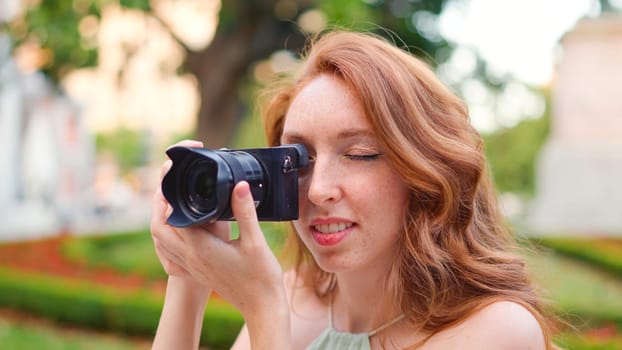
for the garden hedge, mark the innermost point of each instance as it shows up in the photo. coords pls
(605, 253)
(128, 312)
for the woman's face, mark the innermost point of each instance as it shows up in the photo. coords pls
(352, 202)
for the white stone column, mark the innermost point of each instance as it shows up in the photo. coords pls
(579, 174)
(11, 112)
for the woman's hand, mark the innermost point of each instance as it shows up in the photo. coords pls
(243, 271)
(160, 210)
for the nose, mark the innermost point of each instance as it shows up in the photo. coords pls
(324, 182)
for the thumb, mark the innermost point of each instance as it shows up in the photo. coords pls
(245, 214)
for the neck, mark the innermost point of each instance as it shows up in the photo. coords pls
(361, 301)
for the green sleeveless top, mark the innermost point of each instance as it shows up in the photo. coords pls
(333, 339)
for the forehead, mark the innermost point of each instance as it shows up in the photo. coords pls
(326, 105)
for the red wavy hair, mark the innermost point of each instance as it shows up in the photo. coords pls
(456, 254)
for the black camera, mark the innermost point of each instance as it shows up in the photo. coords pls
(199, 184)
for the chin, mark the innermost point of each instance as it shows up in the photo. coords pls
(331, 263)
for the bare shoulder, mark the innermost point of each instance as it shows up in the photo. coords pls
(508, 325)
(500, 325)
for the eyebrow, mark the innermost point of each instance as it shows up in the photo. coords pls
(345, 134)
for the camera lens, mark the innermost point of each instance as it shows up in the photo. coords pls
(200, 182)
(204, 185)
(200, 187)
(206, 181)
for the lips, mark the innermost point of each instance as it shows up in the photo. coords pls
(330, 231)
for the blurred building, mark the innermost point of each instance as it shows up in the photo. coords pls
(51, 179)
(48, 155)
(579, 187)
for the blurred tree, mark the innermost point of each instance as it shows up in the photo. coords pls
(513, 152)
(608, 6)
(128, 146)
(248, 31)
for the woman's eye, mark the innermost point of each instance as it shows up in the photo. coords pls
(363, 156)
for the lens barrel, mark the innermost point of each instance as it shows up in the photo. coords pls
(200, 182)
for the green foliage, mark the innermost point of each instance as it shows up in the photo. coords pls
(129, 147)
(422, 38)
(512, 154)
(354, 14)
(605, 253)
(125, 252)
(19, 336)
(580, 293)
(250, 133)
(133, 251)
(136, 313)
(54, 25)
(126, 312)
(79, 302)
(581, 342)
(144, 5)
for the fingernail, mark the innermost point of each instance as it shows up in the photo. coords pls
(244, 189)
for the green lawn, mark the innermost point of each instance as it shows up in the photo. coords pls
(50, 337)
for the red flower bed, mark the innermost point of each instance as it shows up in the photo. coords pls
(45, 256)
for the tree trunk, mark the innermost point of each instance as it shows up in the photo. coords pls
(222, 68)
(218, 70)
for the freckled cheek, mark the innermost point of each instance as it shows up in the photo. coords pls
(388, 188)
(395, 199)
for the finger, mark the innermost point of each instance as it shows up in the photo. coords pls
(166, 256)
(245, 214)
(171, 241)
(220, 229)
(168, 164)
(165, 168)
(187, 143)
(160, 209)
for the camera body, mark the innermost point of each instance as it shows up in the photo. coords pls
(199, 184)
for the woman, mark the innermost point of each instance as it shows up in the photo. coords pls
(399, 243)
